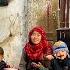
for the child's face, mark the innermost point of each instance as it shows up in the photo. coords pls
(36, 37)
(61, 55)
(1, 57)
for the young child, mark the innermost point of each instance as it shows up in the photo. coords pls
(35, 50)
(2, 63)
(61, 59)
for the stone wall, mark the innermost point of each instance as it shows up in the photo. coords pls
(12, 31)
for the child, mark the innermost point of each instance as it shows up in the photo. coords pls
(35, 50)
(61, 59)
(2, 63)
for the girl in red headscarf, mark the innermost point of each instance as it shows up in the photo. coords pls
(36, 50)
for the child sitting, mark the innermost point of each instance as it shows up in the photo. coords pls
(2, 63)
(61, 59)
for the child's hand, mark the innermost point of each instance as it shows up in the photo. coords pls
(8, 66)
(49, 57)
(36, 65)
(11, 66)
(33, 64)
(39, 65)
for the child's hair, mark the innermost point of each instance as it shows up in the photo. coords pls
(1, 51)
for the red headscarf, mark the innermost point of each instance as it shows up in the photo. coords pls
(37, 51)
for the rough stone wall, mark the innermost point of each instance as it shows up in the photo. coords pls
(12, 31)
